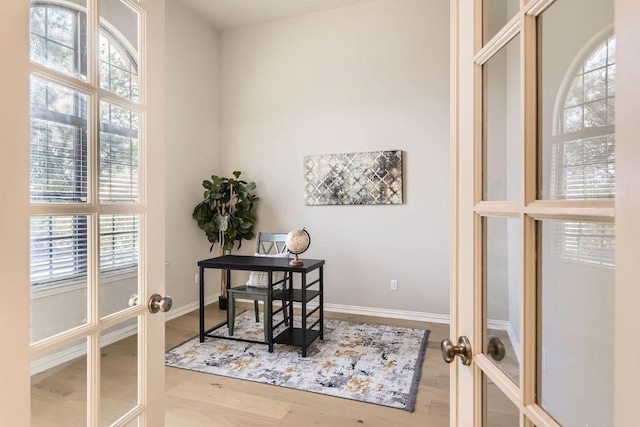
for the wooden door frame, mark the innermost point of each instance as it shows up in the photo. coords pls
(153, 374)
(463, 99)
(14, 213)
(15, 396)
(627, 294)
(463, 410)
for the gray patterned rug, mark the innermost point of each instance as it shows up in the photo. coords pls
(369, 363)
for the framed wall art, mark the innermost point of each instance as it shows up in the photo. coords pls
(371, 178)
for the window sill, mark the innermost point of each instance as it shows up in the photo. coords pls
(43, 291)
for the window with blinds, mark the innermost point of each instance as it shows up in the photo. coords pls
(59, 149)
(584, 168)
(586, 242)
(118, 154)
(58, 143)
(118, 242)
(58, 249)
(583, 156)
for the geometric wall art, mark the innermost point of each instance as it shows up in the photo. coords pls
(371, 178)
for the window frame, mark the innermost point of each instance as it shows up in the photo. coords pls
(571, 235)
(82, 175)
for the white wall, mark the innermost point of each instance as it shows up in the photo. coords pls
(373, 76)
(193, 145)
(60, 308)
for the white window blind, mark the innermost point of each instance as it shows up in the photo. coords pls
(58, 144)
(587, 242)
(58, 249)
(584, 168)
(119, 242)
(119, 154)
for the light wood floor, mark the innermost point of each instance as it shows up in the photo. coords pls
(196, 399)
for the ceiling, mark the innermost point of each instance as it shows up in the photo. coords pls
(224, 14)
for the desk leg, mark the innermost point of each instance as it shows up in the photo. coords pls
(228, 272)
(304, 314)
(201, 280)
(268, 310)
(321, 305)
(290, 302)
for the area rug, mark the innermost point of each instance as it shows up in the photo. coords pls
(369, 363)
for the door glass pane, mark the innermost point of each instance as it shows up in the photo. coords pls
(119, 248)
(495, 15)
(118, 371)
(499, 411)
(59, 387)
(58, 154)
(119, 154)
(58, 272)
(58, 37)
(575, 297)
(118, 53)
(576, 98)
(502, 284)
(502, 131)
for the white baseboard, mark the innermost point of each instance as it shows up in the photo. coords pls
(499, 325)
(389, 313)
(380, 312)
(188, 308)
(71, 353)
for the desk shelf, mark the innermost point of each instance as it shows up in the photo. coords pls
(294, 295)
(293, 336)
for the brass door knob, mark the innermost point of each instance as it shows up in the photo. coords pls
(463, 350)
(158, 303)
(495, 349)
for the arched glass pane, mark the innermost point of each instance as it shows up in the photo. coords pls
(58, 38)
(118, 50)
(577, 110)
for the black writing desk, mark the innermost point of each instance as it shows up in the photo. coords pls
(300, 336)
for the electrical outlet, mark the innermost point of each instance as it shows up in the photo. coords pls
(394, 285)
(196, 279)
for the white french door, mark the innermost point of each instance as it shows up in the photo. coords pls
(543, 94)
(83, 227)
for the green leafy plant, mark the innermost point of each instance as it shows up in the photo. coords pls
(226, 214)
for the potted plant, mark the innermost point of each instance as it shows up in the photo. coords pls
(227, 216)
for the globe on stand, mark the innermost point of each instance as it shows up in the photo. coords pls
(297, 242)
